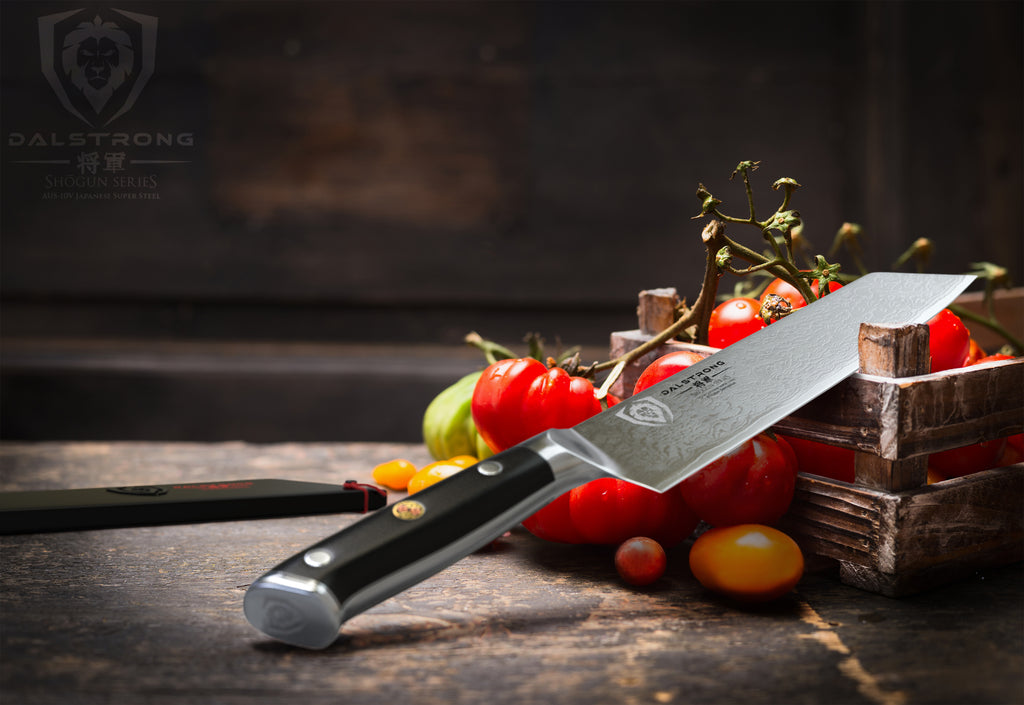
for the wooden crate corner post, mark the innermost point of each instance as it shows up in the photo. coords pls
(891, 532)
(892, 351)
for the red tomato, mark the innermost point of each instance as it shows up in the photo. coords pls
(1014, 452)
(748, 562)
(735, 319)
(992, 358)
(516, 399)
(790, 293)
(554, 523)
(666, 366)
(754, 484)
(822, 459)
(966, 460)
(640, 561)
(949, 341)
(609, 511)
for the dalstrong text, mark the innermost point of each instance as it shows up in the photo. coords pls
(101, 139)
(711, 370)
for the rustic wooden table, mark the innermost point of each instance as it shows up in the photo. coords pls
(154, 614)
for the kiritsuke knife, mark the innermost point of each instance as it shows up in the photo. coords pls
(654, 439)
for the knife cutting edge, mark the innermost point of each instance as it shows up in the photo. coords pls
(655, 439)
(181, 503)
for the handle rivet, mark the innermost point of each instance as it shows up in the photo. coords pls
(318, 557)
(489, 468)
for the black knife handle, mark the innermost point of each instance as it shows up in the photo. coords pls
(304, 600)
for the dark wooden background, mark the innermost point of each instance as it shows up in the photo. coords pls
(370, 181)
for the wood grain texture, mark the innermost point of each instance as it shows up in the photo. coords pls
(656, 309)
(153, 615)
(899, 543)
(891, 351)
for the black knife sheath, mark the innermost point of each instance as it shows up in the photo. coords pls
(183, 503)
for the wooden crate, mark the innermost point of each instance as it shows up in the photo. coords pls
(890, 531)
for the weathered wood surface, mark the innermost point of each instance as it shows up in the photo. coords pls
(153, 615)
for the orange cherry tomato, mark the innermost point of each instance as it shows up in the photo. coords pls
(394, 474)
(747, 562)
(974, 353)
(435, 472)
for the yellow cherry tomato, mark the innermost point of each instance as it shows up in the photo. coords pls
(394, 474)
(435, 472)
(748, 562)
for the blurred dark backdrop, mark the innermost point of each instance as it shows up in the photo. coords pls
(306, 205)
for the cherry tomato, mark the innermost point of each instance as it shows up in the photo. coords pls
(666, 366)
(790, 293)
(609, 511)
(967, 460)
(640, 561)
(734, 319)
(753, 484)
(974, 353)
(949, 341)
(394, 474)
(435, 472)
(822, 459)
(748, 562)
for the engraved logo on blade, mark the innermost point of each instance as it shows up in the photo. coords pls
(645, 412)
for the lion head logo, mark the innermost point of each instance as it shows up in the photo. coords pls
(97, 62)
(97, 57)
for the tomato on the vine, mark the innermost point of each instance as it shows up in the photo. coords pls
(949, 341)
(516, 399)
(780, 287)
(666, 366)
(753, 484)
(748, 562)
(734, 319)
